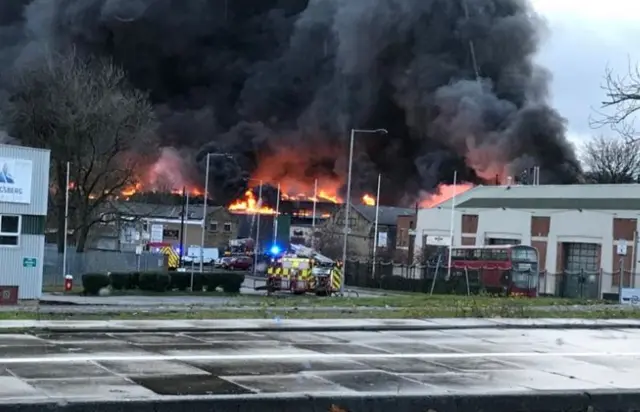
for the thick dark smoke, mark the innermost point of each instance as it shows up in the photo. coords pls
(249, 77)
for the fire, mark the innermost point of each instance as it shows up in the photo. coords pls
(297, 172)
(444, 193)
(130, 191)
(250, 205)
(368, 200)
(322, 196)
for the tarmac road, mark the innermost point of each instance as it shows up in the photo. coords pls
(230, 369)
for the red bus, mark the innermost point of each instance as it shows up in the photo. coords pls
(503, 269)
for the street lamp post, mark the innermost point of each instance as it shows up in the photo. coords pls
(348, 200)
(256, 244)
(204, 208)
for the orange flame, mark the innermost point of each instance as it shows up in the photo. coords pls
(250, 205)
(368, 200)
(444, 193)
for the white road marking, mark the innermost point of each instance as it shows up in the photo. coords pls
(62, 358)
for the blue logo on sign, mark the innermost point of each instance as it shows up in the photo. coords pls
(5, 176)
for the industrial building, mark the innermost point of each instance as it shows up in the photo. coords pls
(24, 194)
(575, 228)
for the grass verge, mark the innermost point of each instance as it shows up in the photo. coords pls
(520, 312)
(394, 300)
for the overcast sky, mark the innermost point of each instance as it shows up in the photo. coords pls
(584, 39)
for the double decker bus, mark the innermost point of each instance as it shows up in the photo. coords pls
(503, 269)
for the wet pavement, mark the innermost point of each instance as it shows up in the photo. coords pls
(67, 367)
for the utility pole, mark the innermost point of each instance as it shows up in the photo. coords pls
(184, 195)
(347, 205)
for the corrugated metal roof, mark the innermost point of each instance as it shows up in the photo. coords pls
(387, 215)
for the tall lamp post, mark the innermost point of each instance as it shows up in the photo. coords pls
(256, 244)
(206, 196)
(348, 201)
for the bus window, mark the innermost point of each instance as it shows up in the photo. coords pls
(527, 254)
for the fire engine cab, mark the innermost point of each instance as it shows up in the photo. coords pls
(302, 270)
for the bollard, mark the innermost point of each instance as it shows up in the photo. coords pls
(68, 283)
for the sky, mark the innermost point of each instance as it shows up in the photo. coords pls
(583, 40)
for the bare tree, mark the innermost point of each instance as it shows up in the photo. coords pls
(622, 102)
(611, 160)
(85, 112)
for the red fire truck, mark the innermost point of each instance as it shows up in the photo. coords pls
(503, 269)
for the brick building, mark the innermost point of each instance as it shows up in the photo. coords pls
(405, 237)
(589, 228)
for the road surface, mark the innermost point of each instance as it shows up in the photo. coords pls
(60, 369)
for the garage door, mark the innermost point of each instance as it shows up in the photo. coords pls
(580, 275)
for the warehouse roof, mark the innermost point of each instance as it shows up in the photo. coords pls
(150, 210)
(387, 215)
(602, 197)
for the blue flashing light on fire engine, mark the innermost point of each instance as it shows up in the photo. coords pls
(275, 250)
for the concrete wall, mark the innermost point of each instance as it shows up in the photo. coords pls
(547, 230)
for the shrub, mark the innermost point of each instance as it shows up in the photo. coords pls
(229, 281)
(121, 281)
(154, 281)
(233, 282)
(182, 281)
(135, 280)
(93, 282)
(212, 281)
(198, 282)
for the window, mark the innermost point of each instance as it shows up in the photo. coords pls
(213, 226)
(9, 230)
(170, 234)
(227, 227)
(524, 253)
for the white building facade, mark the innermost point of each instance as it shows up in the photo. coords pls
(24, 194)
(589, 230)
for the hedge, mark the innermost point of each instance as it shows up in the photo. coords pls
(92, 283)
(228, 281)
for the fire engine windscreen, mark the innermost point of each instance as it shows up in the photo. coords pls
(453, 81)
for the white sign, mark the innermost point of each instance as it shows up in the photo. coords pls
(622, 247)
(438, 240)
(629, 296)
(156, 233)
(382, 239)
(15, 180)
(139, 250)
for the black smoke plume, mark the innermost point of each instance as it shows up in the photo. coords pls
(249, 77)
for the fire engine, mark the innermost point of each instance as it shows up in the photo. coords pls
(302, 270)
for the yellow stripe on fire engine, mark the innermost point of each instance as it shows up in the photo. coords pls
(305, 274)
(173, 260)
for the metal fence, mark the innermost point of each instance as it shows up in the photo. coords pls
(427, 279)
(95, 261)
